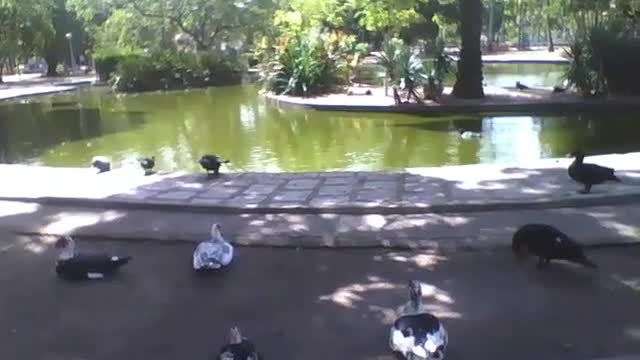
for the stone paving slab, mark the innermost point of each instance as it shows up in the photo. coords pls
(543, 183)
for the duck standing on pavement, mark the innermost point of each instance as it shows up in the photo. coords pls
(102, 163)
(589, 174)
(239, 348)
(417, 334)
(73, 266)
(214, 253)
(548, 243)
(147, 164)
(210, 162)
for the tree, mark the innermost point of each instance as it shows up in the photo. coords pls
(469, 77)
(23, 26)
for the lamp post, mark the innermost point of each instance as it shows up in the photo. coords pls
(69, 36)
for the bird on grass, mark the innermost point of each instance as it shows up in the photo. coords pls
(589, 174)
(239, 348)
(210, 162)
(548, 243)
(73, 266)
(147, 164)
(521, 86)
(417, 334)
(102, 163)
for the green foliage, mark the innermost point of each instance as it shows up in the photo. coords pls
(403, 67)
(303, 68)
(166, 71)
(605, 61)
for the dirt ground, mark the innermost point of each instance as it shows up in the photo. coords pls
(313, 304)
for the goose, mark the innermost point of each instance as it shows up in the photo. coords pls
(521, 86)
(74, 266)
(418, 334)
(214, 253)
(589, 174)
(469, 134)
(548, 243)
(238, 348)
(102, 163)
(147, 164)
(210, 162)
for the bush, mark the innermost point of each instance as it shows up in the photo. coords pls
(303, 68)
(106, 64)
(166, 71)
(605, 61)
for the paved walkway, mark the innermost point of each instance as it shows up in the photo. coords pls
(497, 99)
(477, 206)
(542, 184)
(32, 85)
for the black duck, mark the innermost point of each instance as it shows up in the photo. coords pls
(589, 174)
(548, 243)
(103, 164)
(210, 162)
(147, 164)
(74, 266)
(521, 86)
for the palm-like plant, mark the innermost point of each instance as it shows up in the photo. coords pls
(404, 68)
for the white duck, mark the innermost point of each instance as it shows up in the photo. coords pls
(417, 334)
(214, 253)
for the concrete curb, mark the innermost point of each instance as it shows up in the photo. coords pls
(307, 242)
(389, 209)
(415, 109)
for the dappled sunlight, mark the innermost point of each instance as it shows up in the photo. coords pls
(11, 208)
(425, 260)
(67, 222)
(347, 296)
(632, 283)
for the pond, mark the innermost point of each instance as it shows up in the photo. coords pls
(234, 122)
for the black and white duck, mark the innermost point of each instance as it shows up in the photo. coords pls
(239, 348)
(73, 266)
(417, 334)
(210, 162)
(521, 86)
(214, 253)
(414, 305)
(589, 174)
(548, 243)
(147, 164)
(102, 163)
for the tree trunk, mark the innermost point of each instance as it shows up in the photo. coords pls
(1, 69)
(51, 57)
(550, 36)
(469, 80)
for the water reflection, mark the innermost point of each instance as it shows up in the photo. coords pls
(178, 127)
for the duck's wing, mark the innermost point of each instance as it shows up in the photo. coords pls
(212, 255)
(97, 264)
(598, 173)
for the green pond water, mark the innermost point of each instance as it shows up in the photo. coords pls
(234, 122)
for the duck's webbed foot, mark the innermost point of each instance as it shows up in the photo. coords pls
(586, 190)
(542, 263)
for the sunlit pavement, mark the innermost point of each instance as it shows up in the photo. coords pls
(313, 304)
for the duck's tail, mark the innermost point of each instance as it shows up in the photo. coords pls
(613, 177)
(225, 161)
(121, 260)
